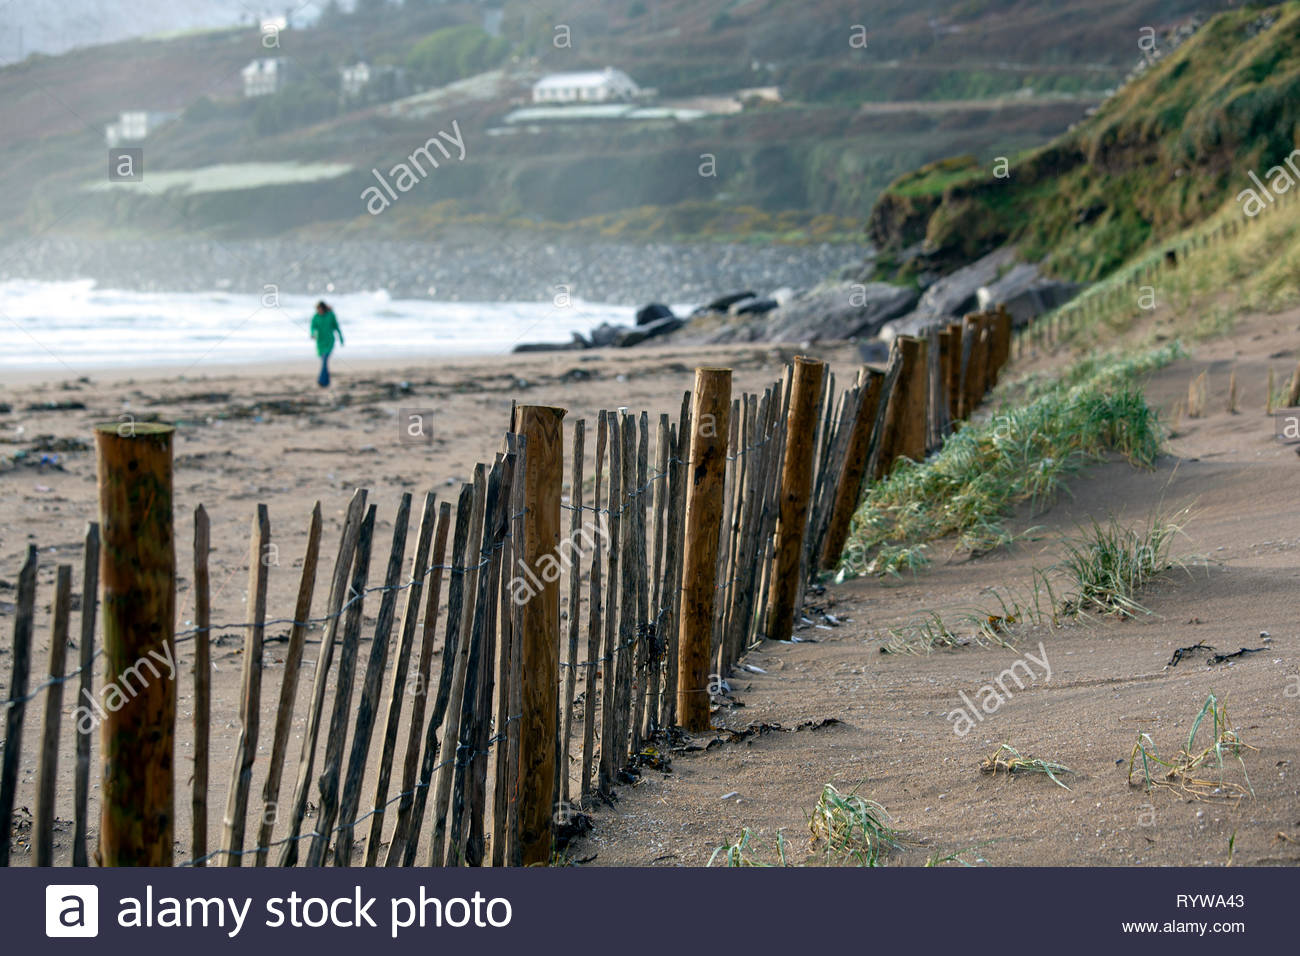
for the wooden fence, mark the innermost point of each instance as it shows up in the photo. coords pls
(683, 541)
(1123, 292)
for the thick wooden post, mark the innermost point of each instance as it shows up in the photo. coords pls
(953, 371)
(796, 488)
(903, 434)
(849, 491)
(540, 628)
(1002, 328)
(138, 572)
(710, 414)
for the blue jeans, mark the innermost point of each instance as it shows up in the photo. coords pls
(323, 379)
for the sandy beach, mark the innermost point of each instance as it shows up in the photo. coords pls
(830, 709)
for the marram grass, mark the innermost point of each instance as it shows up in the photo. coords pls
(1023, 453)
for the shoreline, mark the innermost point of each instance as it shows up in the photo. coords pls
(475, 267)
(343, 369)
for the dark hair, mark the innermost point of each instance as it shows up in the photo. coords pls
(322, 307)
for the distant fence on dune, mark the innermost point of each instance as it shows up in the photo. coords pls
(1124, 292)
(669, 564)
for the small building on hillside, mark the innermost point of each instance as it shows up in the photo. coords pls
(590, 86)
(267, 76)
(364, 82)
(134, 126)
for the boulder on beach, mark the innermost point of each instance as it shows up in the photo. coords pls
(995, 279)
(839, 310)
(952, 296)
(725, 302)
(626, 337)
(606, 335)
(652, 313)
(832, 311)
(1026, 294)
(754, 307)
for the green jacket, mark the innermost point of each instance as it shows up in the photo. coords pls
(324, 326)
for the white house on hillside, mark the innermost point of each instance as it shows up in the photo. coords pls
(592, 86)
(383, 82)
(132, 126)
(266, 76)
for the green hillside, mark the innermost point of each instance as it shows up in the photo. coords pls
(1171, 148)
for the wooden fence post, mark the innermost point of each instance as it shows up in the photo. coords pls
(250, 704)
(138, 572)
(903, 433)
(1000, 326)
(849, 491)
(711, 409)
(48, 767)
(796, 487)
(972, 376)
(21, 664)
(202, 687)
(540, 629)
(288, 690)
(85, 692)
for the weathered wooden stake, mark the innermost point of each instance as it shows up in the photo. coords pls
(334, 604)
(288, 690)
(85, 692)
(202, 687)
(708, 459)
(21, 668)
(594, 628)
(1293, 392)
(575, 585)
(540, 630)
(250, 705)
(327, 785)
(796, 486)
(905, 418)
(404, 849)
(397, 688)
(420, 694)
(849, 491)
(138, 571)
(371, 685)
(47, 769)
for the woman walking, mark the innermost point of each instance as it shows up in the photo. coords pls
(324, 326)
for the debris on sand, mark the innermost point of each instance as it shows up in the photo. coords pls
(1009, 760)
(1213, 655)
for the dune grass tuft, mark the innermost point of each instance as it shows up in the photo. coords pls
(744, 851)
(1022, 454)
(1008, 759)
(1108, 564)
(851, 828)
(1183, 773)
